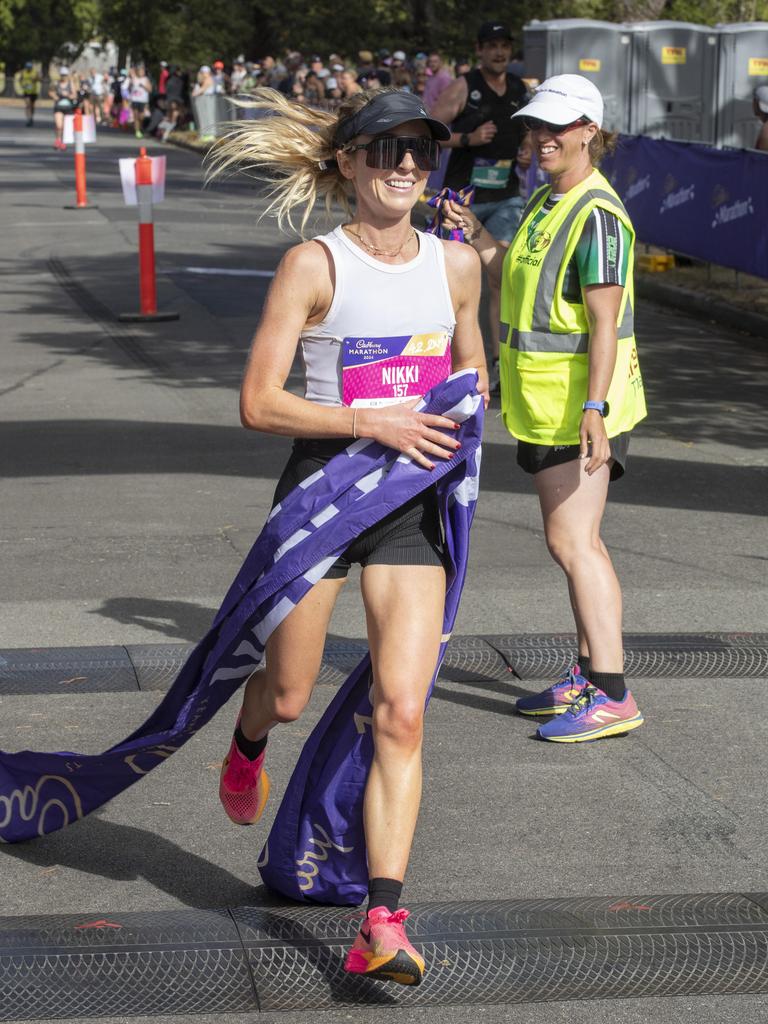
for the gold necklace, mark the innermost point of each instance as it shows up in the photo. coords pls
(372, 248)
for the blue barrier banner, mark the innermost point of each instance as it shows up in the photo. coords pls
(711, 204)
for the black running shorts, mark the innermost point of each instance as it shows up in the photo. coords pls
(534, 457)
(411, 535)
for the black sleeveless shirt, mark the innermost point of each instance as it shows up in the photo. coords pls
(482, 162)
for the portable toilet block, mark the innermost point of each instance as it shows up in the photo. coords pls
(599, 50)
(674, 80)
(742, 66)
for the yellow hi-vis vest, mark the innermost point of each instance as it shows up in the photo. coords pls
(544, 357)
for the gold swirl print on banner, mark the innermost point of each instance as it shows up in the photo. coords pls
(310, 858)
(29, 806)
(161, 752)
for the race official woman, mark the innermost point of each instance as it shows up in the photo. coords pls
(570, 384)
(376, 282)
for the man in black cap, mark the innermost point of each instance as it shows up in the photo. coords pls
(484, 141)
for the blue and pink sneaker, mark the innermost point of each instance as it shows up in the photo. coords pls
(593, 716)
(382, 950)
(556, 698)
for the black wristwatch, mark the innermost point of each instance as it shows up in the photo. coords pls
(464, 140)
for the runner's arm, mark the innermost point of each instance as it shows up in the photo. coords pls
(450, 102)
(301, 293)
(449, 105)
(463, 269)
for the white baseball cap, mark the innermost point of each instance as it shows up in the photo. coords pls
(63, 70)
(398, 55)
(761, 96)
(563, 99)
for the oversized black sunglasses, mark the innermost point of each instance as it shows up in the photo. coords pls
(533, 124)
(386, 152)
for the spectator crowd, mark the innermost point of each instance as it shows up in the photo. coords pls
(160, 101)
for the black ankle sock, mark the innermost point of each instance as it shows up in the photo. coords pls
(249, 748)
(384, 892)
(583, 662)
(611, 683)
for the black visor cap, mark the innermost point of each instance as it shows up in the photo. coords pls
(491, 30)
(385, 112)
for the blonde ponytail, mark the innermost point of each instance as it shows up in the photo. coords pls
(290, 148)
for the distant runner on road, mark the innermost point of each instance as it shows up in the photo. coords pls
(29, 82)
(64, 96)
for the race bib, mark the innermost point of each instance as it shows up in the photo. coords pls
(384, 371)
(491, 173)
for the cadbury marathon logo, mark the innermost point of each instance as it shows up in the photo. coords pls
(726, 211)
(676, 196)
(636, 185)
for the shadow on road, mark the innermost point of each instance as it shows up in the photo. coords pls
(125, 853)
(50, 448)
(177, 620)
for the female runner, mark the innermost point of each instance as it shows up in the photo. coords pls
(571, 384)
(365, 293)
(64, 96)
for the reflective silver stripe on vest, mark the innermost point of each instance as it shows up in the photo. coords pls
(532, 203)
(545, 292)
(546, 341)
(627, 325)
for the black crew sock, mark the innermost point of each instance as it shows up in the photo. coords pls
(249, 748)
(611, 683)
(384, 892)
(583, 662)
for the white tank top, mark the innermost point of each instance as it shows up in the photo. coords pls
(387, 335)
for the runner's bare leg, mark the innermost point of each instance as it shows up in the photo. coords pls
(404, 607)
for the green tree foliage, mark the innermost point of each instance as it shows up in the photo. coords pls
(197, 31)
(38, 29)
(180, 31)
(8, 9)
(711, 12)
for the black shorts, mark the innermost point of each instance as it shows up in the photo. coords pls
(411, 535)
(534, 457)
(140, 108)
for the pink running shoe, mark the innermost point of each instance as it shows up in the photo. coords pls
(382, 950)
(243, 787)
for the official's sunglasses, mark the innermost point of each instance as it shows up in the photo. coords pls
(386, 152)
(533, 124)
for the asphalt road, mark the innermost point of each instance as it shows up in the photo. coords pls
(130, 495)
